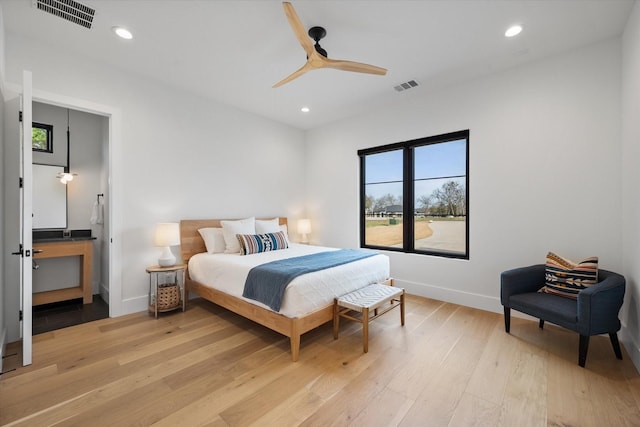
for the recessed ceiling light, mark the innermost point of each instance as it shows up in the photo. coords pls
(123, 32)
(513, 31)
(305, 109)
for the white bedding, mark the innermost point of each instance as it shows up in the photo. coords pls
(306, 293)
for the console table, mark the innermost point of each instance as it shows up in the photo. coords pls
(63, 248)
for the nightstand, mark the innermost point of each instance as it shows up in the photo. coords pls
(166, 288)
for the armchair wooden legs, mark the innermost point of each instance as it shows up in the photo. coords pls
(616, 345)
(582, 350)
(583, 346)
(507, 319)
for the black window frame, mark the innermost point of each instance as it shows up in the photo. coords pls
(408, 195)
(49, 130)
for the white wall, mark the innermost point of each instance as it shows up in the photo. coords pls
(2, 285)
(2, 48)
(181, 156)
(630, 180)
(544, 170)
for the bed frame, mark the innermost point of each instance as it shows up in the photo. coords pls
(191, 243)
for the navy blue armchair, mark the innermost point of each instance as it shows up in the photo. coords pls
(595, 311)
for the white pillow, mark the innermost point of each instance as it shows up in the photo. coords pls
(264, 226)
(213, 239)
(283, 228)
(231, 228)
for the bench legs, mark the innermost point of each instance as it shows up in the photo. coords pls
(365, 329)
(365, 323)
(336, 318)
(337, 313)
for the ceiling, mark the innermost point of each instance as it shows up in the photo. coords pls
(234, 51)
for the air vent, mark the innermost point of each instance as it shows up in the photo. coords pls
(406, 85)
(67, 9)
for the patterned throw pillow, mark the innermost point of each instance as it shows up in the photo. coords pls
(256, 243)
(566, 278)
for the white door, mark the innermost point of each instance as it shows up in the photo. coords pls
(26, 220)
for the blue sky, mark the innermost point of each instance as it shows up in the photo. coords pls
(431, 161)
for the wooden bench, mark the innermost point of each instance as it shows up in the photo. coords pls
(372, 297)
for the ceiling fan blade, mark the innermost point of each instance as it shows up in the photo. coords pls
(300, 71)
(314, 59)
(298, 28)
(357, 67)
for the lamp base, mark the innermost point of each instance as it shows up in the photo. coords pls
(167, 259)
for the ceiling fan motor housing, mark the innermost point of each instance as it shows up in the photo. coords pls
(318, 33)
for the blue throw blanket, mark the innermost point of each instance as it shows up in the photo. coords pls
(267, 282)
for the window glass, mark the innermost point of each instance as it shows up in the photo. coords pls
(423, 181)
(440, 197)
(42, 137)
(443, 159)
(383, 199)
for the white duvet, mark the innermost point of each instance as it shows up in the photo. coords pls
(306, 293)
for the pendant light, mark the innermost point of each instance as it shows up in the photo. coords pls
(67, 176)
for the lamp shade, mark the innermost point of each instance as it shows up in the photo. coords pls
(304, 226)
(167, 234)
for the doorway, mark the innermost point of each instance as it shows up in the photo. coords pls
(112, 156)
(113, 221)
(79, 145)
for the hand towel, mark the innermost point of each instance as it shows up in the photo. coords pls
(97, 213)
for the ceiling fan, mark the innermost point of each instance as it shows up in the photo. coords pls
(316, 55)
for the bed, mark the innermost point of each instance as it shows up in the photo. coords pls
(294, 318)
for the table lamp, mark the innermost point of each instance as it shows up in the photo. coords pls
(304, 228)
(167, 234)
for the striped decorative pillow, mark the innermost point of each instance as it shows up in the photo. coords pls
(256, 243)
(566, 278)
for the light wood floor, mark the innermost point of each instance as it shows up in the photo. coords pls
(449, 366)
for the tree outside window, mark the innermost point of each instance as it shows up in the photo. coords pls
(42, 137)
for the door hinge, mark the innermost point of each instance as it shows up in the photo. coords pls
(21, 182)
(21, 315)
(20, 251)
(20, 116)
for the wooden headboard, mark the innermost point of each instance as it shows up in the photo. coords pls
(191, 242)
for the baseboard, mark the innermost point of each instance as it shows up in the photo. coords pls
(96, 287)
(631, 345)
(468, 299)
(104, 292)
(133, 305)
(3, 335)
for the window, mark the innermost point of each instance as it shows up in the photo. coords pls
(414, 196)
(42, 137)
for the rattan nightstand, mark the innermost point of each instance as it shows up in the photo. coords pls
(166, 288)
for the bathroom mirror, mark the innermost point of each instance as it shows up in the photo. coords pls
(49, 198)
